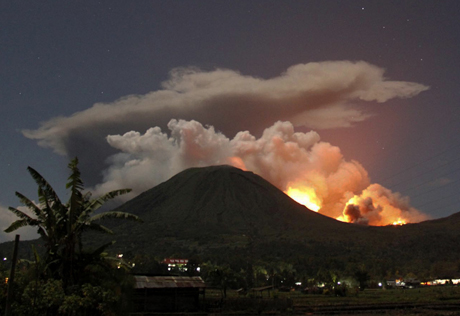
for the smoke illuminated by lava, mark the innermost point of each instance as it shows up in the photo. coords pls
(319, 95)
(312, 172)
(305, 196)
(379, 206)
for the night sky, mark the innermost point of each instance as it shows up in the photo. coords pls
(59, 58)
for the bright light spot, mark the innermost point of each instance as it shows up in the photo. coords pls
(380, 284)
(305, 196)
(298, 283)
(399, 222)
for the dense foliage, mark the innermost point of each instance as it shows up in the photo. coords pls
(68, 279)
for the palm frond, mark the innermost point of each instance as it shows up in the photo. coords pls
(20, 214)
(43, 233)
(116, 215)
(74, 180)
(47, 188)
(31, 205)
(16, 225)
(87, 196)
(97, 203)
(26, 220)
(76, 201)
(42, 198)
(98, 227)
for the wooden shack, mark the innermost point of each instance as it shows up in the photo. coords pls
(167, 293)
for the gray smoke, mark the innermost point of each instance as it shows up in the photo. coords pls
(315, 95)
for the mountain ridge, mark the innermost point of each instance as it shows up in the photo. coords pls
(221, 214)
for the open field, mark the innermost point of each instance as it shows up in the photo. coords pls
(440, 300)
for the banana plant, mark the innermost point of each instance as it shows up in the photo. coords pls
(61, 225)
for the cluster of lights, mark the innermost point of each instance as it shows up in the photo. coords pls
(120, 256)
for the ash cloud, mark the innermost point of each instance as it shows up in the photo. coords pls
(316, 95)
(377, 205)
(280, 155)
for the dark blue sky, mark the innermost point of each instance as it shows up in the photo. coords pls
(58, 58)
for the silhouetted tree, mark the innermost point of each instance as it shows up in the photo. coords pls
(61, 225)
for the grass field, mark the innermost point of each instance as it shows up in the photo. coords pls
(433, 294)
(436, 300)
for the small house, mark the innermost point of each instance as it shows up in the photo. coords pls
(167, 293)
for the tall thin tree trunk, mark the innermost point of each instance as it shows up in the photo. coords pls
(11, 278)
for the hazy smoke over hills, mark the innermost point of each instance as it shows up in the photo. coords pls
(315, 95)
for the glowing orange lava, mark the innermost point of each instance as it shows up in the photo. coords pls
(399, 222)
(378, 213)
(305, 196)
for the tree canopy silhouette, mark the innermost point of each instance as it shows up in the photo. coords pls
(61, 225)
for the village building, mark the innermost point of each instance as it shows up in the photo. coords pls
(167, 293)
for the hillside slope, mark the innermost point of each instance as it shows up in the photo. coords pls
(221, 207)
(223, 214)
(222, 199)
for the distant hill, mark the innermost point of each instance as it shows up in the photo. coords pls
(224, 214)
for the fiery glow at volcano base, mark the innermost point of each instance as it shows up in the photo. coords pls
(399, 222)
(305, 196)
(370, 211)
(375, 206)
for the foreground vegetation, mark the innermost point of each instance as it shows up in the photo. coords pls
(65, 278)
(71, 270)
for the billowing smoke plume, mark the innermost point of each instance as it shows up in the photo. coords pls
(316, 95)
(379, 206)
(282, 156)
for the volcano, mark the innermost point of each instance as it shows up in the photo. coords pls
(218, 209)
(222, 214)
(217, 212)
(222, 200)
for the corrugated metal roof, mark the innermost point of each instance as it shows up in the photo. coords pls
(161, 282)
